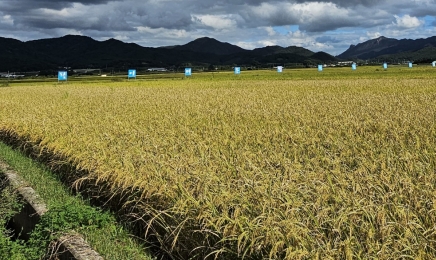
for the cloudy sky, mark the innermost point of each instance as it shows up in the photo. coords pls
(321, 25)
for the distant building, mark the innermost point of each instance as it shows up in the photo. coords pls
(84, 71)
(157, 69)
(11, 75)
(345, 63)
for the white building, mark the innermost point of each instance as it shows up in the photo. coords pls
(157, 69)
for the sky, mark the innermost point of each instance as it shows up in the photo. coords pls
(330, 26)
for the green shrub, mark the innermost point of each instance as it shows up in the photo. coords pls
(9, 205)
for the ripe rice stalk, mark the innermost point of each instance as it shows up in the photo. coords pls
(334, 168)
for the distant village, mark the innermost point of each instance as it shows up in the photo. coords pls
(106, 72)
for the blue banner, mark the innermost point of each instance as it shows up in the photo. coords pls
(132, 74)
(62, 75)
(188, 72)
(237, 70)
(279, 69)
(354, 66)
(385, 65)
(320, 68)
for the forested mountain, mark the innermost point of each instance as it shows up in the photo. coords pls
(84, 52)
(392, 49)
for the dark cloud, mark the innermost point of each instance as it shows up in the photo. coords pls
(328, 25)
(99, 24)
(349, 3)
(424, 11)
(159, 15)
(327, 39)
(246, 22)
(17, 6)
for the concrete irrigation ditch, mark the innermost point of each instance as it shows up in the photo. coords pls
(69, 246)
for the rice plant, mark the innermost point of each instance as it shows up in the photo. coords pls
(254, 167)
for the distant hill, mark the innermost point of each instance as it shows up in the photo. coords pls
(15, 55)
(389, 49)
(209, 45)
(84, 52)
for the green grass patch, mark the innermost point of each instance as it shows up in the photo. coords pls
(67, 212)
(362, 72)
(9, 206)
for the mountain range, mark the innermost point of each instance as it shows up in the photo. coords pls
(389, 49)
(75, 51)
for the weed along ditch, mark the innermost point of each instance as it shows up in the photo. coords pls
(50, 222)
(32, 209)
(68, 246)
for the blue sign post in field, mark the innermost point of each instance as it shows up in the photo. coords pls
(131, 74)
(433, 64)
(279, 69)
(410, 65)
(188, 72)
(62, 75)
(237, 70)
(354, 66)
(320, 67)
(385, 66)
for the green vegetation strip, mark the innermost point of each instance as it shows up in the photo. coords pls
(362, 72)
(9, 206)
(70, 245)
(66, 213)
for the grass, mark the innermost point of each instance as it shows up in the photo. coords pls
(337, 164)
(70, 213)
(10, 204)
(368, 72)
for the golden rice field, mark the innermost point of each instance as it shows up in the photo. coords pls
(255, 167)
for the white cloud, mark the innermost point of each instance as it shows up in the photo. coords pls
(165, 33)
(7, 19)
(267, 43)
(270, 31)
(249, 45)
(68, 12)
(373, 35)
(407, 22)
(310, 16)
(218, 22)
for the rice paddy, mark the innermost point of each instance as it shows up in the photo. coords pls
(301, 165)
